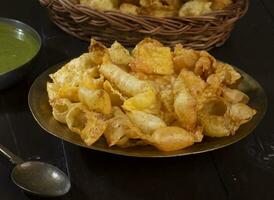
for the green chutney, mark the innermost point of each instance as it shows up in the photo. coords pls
(17, 47)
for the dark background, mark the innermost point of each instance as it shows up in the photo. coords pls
(244, 170)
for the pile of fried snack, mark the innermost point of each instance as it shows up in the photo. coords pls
(160, 8)
(153, 95)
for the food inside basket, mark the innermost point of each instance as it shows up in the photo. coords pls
(153, 95)
(160, 8)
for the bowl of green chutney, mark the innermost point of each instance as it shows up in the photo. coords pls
(19, 45)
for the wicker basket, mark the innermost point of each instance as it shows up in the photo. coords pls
(203, 32)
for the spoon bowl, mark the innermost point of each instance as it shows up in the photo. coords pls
(40, 179)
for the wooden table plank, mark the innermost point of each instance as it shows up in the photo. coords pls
(269, 6)
(102, 176)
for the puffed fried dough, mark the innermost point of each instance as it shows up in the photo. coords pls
(95, 100)
(147, 123)
(217, 126)
(92, 79)
(69, 92)
(151, 57)
(224, 75)
(101, 4)
(125, 82)
(120, 129)
(171, 139)
(184, 58)
(234, 95)
(119, 55)
(146, 102)
(185, 105)
(195, 8)
(240, 113)
(94, 128)
(76, 117)
(161, 4)
(97, 50)
(72, 73)
(214, 119)
(205, 65)
(60, 109)
(89, 125)
(52, 90)
(195, 84)
(117, 99)
(220, 4)
(128, 8)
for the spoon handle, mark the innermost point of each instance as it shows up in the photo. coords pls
(12, 157)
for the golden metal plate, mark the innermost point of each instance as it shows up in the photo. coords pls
(41, 110)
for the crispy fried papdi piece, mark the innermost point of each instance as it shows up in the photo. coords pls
(220, 4)
(101, 4)
(92, 79)
(68, 92)
(147, 123)
(119, 55)
(220, 118)
(60, 109)
(97, 50)
(214, 120)
(210, 92)
(96, 100)
(241, 113)
(194, 83)
(72, 73)
(125, 82)
(205, 65)
(146, 102)
(224, 75)
(171, 138)
(120, 129)
(171, 4)
(184, 58)
(52, 90)
(160, 8)
(217, 126)
(185, 105)
(234, 95)
(67, 79)
(195, 8)
(76, 117)
(117, 99)
(129, 8)
(94, 128)
(89, 125)
(152, 57)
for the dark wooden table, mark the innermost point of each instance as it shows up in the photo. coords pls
(241, 171)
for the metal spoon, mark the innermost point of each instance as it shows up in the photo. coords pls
(36, 177)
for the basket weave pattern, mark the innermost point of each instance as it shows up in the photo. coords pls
(202, 32)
